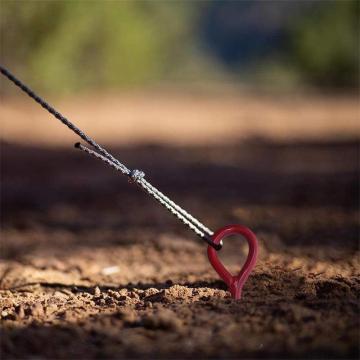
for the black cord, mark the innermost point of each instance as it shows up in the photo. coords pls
(60, 117)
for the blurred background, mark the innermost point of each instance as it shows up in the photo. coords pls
(183, 72)
(69, 47)
(242, 111)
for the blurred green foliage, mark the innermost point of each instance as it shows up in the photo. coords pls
(325, 44)
(69, 46)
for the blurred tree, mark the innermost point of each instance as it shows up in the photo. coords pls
(67, 46)
(325, 44)
(71, 45)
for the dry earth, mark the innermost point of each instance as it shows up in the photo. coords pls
(182, 117)
(91, 268)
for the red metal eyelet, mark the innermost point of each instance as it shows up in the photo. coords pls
(235, 283)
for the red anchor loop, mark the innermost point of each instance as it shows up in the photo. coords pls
(235, 283)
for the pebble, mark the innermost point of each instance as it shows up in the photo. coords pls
(123, 292)
(150, 291)
(50, 309)
(60, 295)
(97, 291)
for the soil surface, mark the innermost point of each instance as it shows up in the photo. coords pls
(92, 268)
(182, 117)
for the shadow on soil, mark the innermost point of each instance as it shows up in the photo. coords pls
(305, 193)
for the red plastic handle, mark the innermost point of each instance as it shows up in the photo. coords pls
(235, 283)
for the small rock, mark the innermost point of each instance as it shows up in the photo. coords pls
(66, 292)
(179, 292)
(156, 297)
(150, 291)
(51, 308)
(60, 295)
(97, 291)
(123, 292)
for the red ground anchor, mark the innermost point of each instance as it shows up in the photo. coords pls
(235, 283)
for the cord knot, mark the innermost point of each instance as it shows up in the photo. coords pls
(136, 175)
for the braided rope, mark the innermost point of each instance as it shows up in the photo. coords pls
(137, 176)
(179, 209)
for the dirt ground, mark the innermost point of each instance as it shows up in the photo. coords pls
(192, 117)
(92, 268)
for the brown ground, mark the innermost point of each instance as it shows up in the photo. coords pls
(182, 117)
(91, 268)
